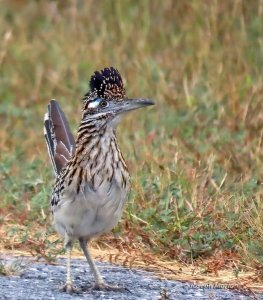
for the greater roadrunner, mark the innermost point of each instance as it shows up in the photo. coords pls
(92, 180)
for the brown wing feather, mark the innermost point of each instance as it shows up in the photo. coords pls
(59, 139)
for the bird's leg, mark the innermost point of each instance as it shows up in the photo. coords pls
(68, 286)
(100, 284)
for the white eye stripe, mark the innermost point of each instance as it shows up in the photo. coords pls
(95, 103)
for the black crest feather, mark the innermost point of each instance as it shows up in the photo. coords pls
(107, 84)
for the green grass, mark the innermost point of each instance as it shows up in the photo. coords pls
(196, 158)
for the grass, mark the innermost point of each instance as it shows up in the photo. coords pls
(195, 158)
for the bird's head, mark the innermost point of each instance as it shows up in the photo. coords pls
(106, 99)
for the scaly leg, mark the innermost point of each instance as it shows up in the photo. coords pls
(68, 286)
(100, 284)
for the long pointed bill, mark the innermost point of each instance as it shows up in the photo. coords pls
(131, 104)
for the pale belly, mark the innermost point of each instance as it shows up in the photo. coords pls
(89, 213)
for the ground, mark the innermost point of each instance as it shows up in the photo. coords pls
(38, 280)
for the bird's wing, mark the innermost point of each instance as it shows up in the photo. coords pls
(59, 139)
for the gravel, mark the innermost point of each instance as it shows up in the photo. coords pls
(42, 281)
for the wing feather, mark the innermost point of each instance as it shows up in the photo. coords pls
(59, 139)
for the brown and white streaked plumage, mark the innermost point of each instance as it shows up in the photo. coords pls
(92, 180)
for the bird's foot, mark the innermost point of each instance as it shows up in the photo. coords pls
(69, 288)
(107, 287)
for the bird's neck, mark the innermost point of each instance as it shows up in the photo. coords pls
(98, 156)
(94, 136)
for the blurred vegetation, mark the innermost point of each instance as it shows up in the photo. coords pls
(195, 158)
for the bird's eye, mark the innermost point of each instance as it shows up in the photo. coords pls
(104, 103)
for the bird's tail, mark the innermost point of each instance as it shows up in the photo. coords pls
(59, 139)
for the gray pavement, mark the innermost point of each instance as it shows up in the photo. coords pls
(42, 281)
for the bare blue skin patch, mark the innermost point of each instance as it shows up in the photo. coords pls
(95, 103)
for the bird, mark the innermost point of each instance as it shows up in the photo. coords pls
(92, 179)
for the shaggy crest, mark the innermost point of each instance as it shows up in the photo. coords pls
(107, 84)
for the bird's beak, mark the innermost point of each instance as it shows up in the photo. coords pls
(131, 104)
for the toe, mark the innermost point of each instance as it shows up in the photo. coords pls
(68, 288)
(107, 287)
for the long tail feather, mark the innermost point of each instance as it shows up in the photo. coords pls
(59, 139)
